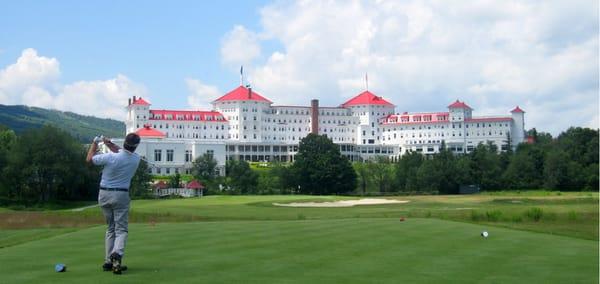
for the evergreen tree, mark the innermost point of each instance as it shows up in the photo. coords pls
(445, 164)
(7, 143)
(140, 183)
(406, 171)
(485, 167)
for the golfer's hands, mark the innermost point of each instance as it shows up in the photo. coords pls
(97, 139)
(106, 140)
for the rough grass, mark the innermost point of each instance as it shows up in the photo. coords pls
(382, 250)
(568, 214)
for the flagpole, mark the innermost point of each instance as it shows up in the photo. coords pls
(241, 75)
(367, 81)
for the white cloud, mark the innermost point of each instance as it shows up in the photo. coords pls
(34, 80)
(37, 97)
(201, 94)
(239, 47)
(99, 98)
(30, 71)
(422, 55)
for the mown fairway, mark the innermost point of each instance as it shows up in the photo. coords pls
(246, 239)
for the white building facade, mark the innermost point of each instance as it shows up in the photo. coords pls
(244, 125)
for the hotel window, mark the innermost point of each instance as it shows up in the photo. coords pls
(157, 155)
(188, 155)
(169, 155)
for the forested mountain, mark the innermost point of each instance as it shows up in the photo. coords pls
(83, 128)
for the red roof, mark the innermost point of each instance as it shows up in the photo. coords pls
(194, 184)
(488, 119)
(416, 118)
(459, 104)
(242, 93)
(161, 185)
(189, 115)
(517, 109)
(366, 98)
(149, 132)
(140, 101)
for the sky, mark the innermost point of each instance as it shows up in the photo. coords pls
(90, 56)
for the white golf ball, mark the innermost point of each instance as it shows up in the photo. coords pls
(484, 234)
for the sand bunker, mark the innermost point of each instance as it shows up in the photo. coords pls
(343, 203)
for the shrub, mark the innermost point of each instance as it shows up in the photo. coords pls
(534, 214)
(476, 216)
(517, 219)
(572, 215)
(493, 216)
(550, 216)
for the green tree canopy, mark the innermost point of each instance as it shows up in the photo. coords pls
(381, 172)
(406, 171)
(140, 183)
(241, 177)
(321, 169)
(204, 168)
(46, 164)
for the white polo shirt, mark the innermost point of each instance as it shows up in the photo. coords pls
(119, 168)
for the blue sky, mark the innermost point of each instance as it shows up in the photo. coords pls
(89, 56)
(149, 41)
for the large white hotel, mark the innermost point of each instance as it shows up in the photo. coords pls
(247, 126)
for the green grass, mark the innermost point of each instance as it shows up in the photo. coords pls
(568, 214)
(321, 251)
(507, 209)
(535, 237)
(14, 237)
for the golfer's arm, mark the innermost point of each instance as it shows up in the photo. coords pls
(91, 152)
(112, 146)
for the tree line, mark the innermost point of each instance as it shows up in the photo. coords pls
(47, 165)
(568, 162)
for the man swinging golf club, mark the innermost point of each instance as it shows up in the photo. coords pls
(119, 167)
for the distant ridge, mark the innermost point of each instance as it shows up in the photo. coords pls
(82, 127)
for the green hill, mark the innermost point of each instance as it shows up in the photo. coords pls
(81, 127)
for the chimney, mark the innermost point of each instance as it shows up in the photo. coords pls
(314, 116)
(250, 93)
(134, 99)
(129, 101)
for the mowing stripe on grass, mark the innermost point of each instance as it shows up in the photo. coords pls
(310, 251)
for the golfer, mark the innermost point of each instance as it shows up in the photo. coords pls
(119, 167)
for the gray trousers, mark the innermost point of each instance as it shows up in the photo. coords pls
(115, 207)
